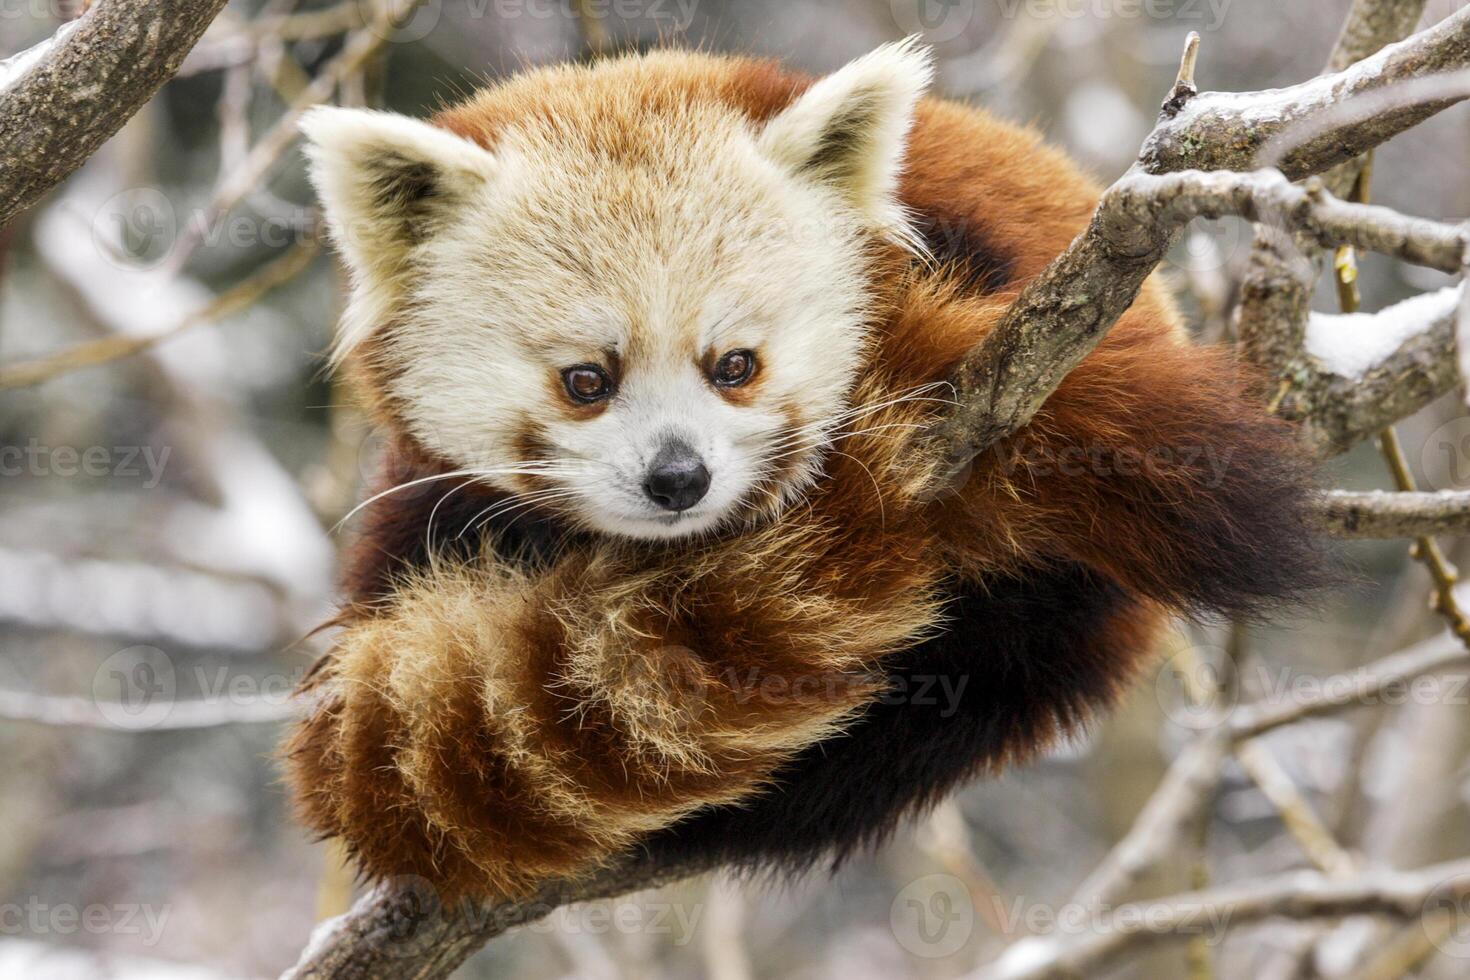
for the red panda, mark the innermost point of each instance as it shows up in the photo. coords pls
(651, 564)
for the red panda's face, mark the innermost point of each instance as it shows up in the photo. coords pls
(648, 322)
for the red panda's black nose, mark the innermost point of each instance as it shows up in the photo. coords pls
(677, 480)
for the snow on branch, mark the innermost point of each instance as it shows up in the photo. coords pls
(1065, 312)
(1359, 373)
(1353, 344)
(1229, 130)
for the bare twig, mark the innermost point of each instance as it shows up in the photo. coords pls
(592, 25)
(53, 119)
(1371, 25)
(1296, 812)
(107, 349)
(1380, 514)
(1186, 790)
(361, 47)
(78, 712)
(1356, 688)
(1131, 929)
(1228, 131)
(1410, 947)
(1425, 549)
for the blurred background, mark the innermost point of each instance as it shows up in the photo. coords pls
(169, 494)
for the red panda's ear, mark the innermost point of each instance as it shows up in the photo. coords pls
(849, 129)
(385, 182)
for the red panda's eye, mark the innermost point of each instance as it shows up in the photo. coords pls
(734, 369)
(587, 383)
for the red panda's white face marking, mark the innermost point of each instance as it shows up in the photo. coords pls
(648, 321)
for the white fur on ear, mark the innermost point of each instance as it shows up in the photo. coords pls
(849, 129)
(385, 181)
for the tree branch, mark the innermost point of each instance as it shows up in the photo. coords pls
(86, 86)
(78, 712)
(1066, 311)
(1174, 808)
(1382, 514)
(1303, 895)
(399, 929)
(105, 350)
(1057, 320)
(1338, 408)
(1352, 689)
(1229, 131)
(1370, 26)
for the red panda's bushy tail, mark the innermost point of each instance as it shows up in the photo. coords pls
(1158, 465)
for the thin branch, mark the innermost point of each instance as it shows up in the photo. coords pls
(1371, 26)
(240, 296)
(1184, 793)
(1130, 929)
(86, 86)
(1342, 692)
(1294, 809)
(361, 46)
(1383, 515)
(77, 712)
(597, 40)
(1425, 549)
(1228, 131)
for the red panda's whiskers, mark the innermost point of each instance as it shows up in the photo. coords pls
(507, 507)
(806, 447)
(472, 474)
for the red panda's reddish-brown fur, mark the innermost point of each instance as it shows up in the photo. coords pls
(487, 722)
